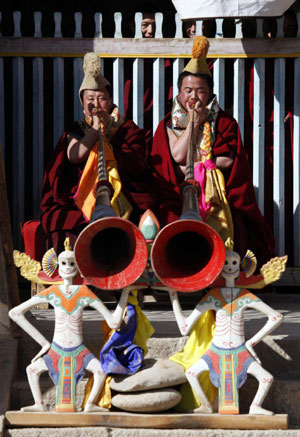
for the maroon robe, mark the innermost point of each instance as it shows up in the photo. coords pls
(60, 216)
(250, 228)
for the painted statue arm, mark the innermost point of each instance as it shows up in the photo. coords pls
(185, 324)
(113, 319)
(17, 315)
(274, 320)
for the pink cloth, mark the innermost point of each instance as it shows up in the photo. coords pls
(200, 176)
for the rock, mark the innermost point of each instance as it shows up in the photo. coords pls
(151, 401)
(157, 374)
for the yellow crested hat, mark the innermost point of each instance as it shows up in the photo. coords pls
(198, 64)
(93, 79)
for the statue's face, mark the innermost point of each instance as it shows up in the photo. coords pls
(231, 267)
(67, 267)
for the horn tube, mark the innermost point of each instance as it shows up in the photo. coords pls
(111, 252)
(187, 255)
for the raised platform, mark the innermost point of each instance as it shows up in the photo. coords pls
(154, 421)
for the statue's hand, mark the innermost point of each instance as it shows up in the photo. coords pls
(44, 349)
(249, 346)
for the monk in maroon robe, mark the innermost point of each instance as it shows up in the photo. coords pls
(250, 228)
(66, 184)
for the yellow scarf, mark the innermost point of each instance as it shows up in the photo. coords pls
(86, 199)
(197, 344)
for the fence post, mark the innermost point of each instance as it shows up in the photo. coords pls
(58, 85)
(37, 122)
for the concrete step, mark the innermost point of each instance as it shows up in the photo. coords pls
(144, 432)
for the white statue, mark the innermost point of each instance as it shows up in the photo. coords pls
(66, 357)
(229, 358)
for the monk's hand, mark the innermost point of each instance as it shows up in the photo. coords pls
(42, 352)
(100, 116)
(200, 112)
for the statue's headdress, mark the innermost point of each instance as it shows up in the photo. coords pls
(198, 64)
(93, 79)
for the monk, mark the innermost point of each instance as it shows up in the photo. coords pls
(71, 174)
(227, 201)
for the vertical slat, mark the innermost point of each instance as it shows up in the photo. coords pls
(158, 25)
(158, 91)
(259, 28)
(239, 93)
(78, 21)
(178, 23)
(98, 25)
(77, 70)
(37, 24)
(118, 24)
(279, 33)
(219, 69)
(199, 27)
(58, 85)
(18, 138)
(296, 162)
(118, 83)
(138, 92)
(118, 68)
(219, 80)
(2, 119)
(138, 24)
(238, 28)
(178, 65)
(2, 110)
(279, 155)
(17, 24)
(37, 122)
(259, 131)
(219, 30)
(296, 155)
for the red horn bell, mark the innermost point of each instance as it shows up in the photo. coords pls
(188, 255)
(111, 253)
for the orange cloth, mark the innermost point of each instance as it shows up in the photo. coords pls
(86, 199)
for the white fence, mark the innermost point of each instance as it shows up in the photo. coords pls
(40, 78)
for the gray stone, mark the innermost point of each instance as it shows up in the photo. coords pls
(158, 374)
(151, 401)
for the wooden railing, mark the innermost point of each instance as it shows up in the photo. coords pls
(39, 82)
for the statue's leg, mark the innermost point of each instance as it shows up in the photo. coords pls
(94, 366)
(265, 380)
(192, 375)
(34, 371)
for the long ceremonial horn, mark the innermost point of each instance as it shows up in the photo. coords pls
(187, 255)
(111, 252)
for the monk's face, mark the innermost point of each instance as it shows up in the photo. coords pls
(148, 25)
(99, 99)
(190, 28)
(194, 89)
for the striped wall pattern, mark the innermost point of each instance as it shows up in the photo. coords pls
(40, 78)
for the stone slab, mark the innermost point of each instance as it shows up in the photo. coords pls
(131, 420)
